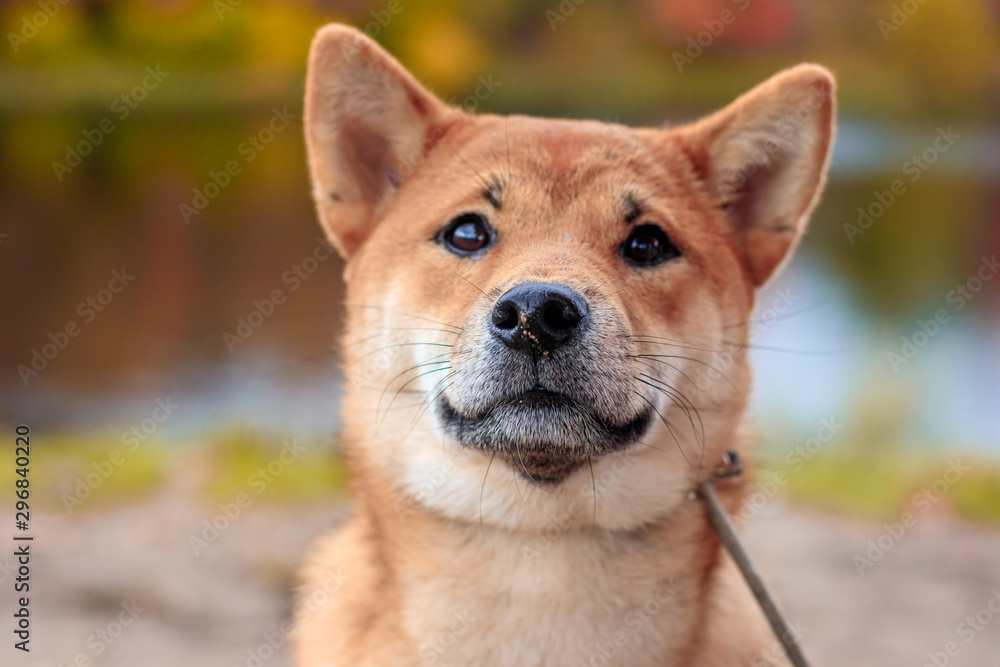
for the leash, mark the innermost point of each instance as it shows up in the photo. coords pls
(733, 467)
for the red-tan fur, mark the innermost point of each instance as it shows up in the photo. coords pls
(451, 557)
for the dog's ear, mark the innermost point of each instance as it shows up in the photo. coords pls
(368, 124)
(765, 158)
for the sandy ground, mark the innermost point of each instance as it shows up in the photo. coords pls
(96, 569)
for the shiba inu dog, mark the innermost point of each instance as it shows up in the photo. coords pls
(545, 352)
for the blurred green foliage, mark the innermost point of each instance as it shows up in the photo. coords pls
(602, 57)
(251, 462)
(871, 470)
(74, 470)
(866, 474)
(88, 470)
(884, 483)
(903, 261)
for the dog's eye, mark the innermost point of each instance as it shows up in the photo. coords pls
(467, 234)
(648, 245)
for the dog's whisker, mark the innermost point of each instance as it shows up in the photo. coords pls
(785, 350)
(670, 365)
(482, 490)
(411, 368)
(686, 406)
(657, 358)
(413, 379)
(783, 316)
(428, 402)
(597, 288)
(395, 345)
(649, 446)
(344, 346)
(624, 289)
(700, 431)
(593, 483)
(486, 184)
(562, 487)
(677, 342)
(665, 423)
(528, 476)
(446, 331)
(513, 472)
(469, 281)
(671, 342)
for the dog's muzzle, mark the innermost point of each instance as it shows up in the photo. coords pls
(544, 377)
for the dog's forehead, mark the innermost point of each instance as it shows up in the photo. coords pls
(563, 158)
(555, 143)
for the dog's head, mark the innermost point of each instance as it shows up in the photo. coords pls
(545, 314)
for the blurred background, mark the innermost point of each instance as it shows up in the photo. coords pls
(137, 273)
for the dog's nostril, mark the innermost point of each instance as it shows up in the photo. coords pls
(538, 317)
(505, 316)
(561, 316)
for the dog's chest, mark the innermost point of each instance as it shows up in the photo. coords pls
(565, 605)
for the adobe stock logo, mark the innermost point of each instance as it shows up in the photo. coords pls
(967, 631)
(131, 439)
(30, 25)
(88, 310)
(922, 502)
(714, 28)
(264, 308)
(248, 150)
(121, 107)
(958, 298)
(914, 168)
(565, 9)
(901, 13)
(258, 482)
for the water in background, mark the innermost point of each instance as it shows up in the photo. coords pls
(165, 334)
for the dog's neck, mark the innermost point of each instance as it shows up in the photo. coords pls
(650, 588)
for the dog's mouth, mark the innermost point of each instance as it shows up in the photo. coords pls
(543, 434)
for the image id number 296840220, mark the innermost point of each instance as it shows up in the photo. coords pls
(22, 539)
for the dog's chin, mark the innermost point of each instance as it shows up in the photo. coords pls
(543, 435)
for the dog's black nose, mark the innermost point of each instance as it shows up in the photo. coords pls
(538, 317)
